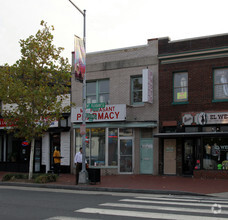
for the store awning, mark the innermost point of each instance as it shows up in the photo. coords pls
(149, 124)
(191, 134)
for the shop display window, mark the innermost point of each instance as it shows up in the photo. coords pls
(215, 154)
(102, 145)
(78, 143)
(97, 147)
(113, 147)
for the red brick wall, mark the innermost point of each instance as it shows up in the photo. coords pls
(200, 88)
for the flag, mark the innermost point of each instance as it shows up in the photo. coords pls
(79, 58)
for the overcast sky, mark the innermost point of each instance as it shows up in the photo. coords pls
(110, 24)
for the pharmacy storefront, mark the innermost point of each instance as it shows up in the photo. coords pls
(110, 139)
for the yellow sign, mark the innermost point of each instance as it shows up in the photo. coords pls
(182, 95)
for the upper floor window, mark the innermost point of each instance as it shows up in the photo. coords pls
(97, 91)
(136, 90)
(221, 84)
(180, 87)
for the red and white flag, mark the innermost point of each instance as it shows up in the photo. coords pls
(79, 58)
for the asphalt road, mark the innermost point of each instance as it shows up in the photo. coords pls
(55, 204)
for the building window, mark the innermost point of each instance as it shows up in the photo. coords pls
(221, 84)
(95, 145)
(215, 155)
(97, 91)
(113, 147)
(102, 145)
(136, 90)
(180, 87)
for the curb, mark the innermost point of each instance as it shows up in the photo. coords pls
(102, 189)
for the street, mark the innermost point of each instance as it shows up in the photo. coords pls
(58, 204)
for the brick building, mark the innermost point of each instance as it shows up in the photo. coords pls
(120, 137)
(193, 105)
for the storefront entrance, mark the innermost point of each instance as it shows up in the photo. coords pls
(126, 155)
(188, 157)
(170, 156)
(146, 156)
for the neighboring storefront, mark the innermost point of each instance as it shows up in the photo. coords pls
(15, 152)
(58, 135)
(193, 106)
(119, 134)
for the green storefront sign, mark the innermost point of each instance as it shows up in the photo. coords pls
(95, 106)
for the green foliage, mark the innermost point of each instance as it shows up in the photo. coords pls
(12, 176)
(46, 178)
(34, 88)
(38, 178)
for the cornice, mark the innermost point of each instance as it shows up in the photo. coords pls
(187, 56)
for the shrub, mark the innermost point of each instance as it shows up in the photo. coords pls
(38, 178)
(12, 176)
(46, 178)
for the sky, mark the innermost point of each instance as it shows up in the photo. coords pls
(110, 24)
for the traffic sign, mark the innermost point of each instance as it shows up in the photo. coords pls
(95, 106)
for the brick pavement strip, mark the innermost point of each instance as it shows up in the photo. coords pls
(147, 182)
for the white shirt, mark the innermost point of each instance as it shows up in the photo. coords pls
(78, 158)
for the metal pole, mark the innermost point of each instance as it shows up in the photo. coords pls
(83, 174)
(84, 99)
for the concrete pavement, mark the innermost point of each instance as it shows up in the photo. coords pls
(140, 183)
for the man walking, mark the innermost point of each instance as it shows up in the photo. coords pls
(78, 163)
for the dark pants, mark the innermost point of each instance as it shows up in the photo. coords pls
(78, 170)
(57, 168)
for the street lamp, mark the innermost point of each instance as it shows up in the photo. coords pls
(83, 174)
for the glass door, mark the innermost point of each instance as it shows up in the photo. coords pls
(126, 155)
(189, 159)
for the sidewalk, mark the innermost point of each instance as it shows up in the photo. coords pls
(143, 183)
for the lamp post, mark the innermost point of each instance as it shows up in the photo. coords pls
(83, 174)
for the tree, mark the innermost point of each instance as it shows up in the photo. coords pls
(34, 88)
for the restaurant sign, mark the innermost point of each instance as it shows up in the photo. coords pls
(108, 113)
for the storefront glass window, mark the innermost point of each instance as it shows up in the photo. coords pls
(126, 132)
(191, 129)
(113, 147)
(97, 147)
(13, 149)
(209, 129)
(215, 153)
(224, 128)
(78, 142)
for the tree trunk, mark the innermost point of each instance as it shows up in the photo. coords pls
(31, 159)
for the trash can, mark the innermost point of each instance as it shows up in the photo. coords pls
(94, 175)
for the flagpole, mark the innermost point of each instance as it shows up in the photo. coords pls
(83, 175)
